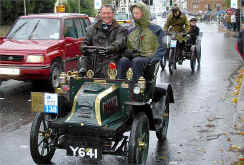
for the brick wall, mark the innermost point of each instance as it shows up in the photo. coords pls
(203, 5)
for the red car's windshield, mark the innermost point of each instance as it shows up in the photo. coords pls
(35, 29)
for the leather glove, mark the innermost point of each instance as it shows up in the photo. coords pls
(105, 51)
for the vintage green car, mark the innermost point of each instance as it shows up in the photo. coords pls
(88, 116)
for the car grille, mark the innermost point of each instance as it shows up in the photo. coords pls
(14, 58)
(84, 111)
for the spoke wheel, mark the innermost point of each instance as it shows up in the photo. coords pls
(139, 140)
(172, 61)
(163, 63)
(162, 133)
(193, 60)
(199, 56)
(41, 137)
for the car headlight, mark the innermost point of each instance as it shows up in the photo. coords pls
(136, 90)
(35, 58)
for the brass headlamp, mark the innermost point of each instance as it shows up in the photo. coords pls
(141, 83)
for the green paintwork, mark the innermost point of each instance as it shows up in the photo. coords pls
(86, 93)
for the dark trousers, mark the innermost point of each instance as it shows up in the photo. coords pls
(137, 64)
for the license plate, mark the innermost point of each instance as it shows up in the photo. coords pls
(50, 103)
(88, 153)
(173, 43)
(10, 71)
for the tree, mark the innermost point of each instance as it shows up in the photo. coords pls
(227, 3)
(107, 1)
(86, 7)
(12, 9)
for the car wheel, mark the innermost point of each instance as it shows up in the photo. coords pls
(172, 61)
(139, 140)
(199, 56)
(163, 63)
(41, 147)
(162, 133)
(193, 60)
(56, 69)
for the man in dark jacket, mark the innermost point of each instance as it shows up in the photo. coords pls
(106, 33)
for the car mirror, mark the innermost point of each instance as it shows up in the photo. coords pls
(69, 39)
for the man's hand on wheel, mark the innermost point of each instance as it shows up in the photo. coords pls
(105, 51)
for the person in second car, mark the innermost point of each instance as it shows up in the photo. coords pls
(106, 33)
(177, 22)
(144, 45)
(194, 30)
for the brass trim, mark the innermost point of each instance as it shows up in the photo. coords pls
(142, 84)
(100, 81)
(90, 73)
(59, 91)
(112, 73)
(98, 102)
(74, 105)
(37, 102)
(129, 74)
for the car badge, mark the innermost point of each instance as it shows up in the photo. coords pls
(90, 73)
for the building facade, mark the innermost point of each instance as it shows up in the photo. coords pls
(196, 6)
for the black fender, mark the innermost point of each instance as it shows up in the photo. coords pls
(162, 95)
(163, 89)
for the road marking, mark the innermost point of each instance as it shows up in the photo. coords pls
(173, 163)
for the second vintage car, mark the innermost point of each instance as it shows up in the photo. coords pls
(39, 47)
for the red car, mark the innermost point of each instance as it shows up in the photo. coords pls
(39, 47)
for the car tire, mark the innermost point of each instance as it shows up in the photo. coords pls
(172, 61)
(163, 63)
(193, 60)
(56, 69)
(139, 140)
(162, 133)
(199, 56)
(39, 156)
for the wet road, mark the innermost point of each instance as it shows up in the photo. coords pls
(200, 129)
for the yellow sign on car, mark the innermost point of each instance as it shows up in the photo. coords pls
(60, 9)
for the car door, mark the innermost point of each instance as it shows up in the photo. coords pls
(72, 42)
